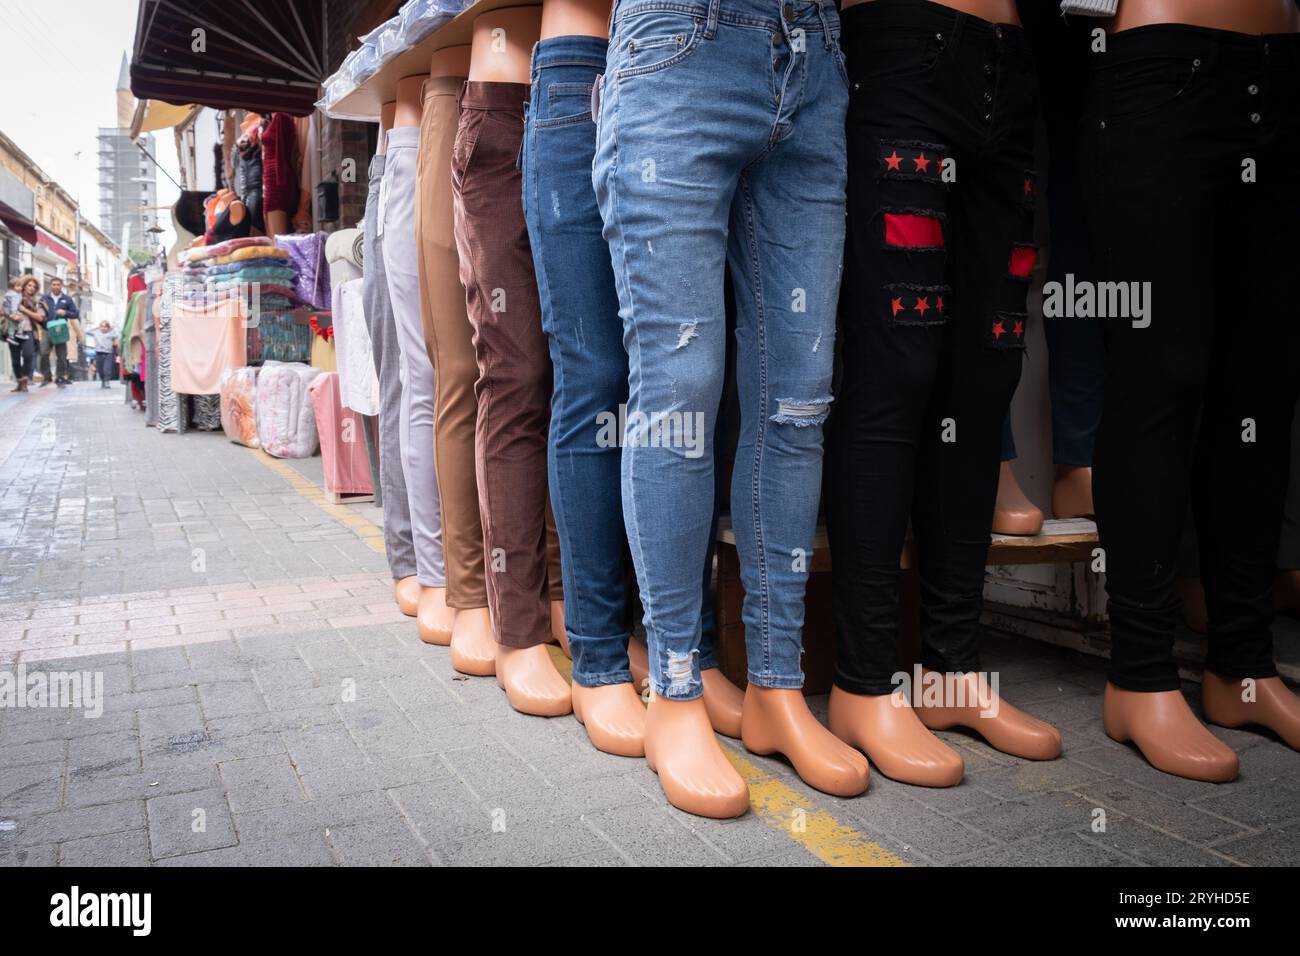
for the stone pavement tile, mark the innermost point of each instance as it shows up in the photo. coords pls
(58, 725)
(1034, 776)
(127, 848)
(167, 723)
(111, 752)
(443, 812)
(741, 840)
(30, 790)
(73, 824)
(321, 748)
(413, 688)
(654, 838)
(88, 789)
(1271, 760)
(1049, 849)
(1013, 819)
(382, 730)
(35, 752)
(256, 783)
(380, 841)
(304, 850)
(188, 822)
(1184, 820)
(378, 775)
(28, 856)
(130, 701)
(230, 698)
(1151, 847)
(158, 661)
(915, 827)
(492, 772)
(258, 826)
(598, 860)
(796, 856)
(1261, 805)
(273, 721)
(1279, 846)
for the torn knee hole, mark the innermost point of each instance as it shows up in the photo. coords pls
(802, 413)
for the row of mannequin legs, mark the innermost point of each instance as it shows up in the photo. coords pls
(501, 317)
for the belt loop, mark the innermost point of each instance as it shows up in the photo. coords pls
(827, 39)
(711, 26)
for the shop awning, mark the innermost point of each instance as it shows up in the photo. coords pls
(250, 54)
(56, 245)
(17, 207)
(20, 226)
(153, 115)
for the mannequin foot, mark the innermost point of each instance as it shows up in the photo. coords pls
(722, 698)
(434, 618)
(693, 771)
(1014, 513)
(558, 633)
(1286, 590)
(614, 717)
(1195, 614)
(888, 731)
(777, 720)
(1072, 492)
(531, 682)
(1005, 728)
(1274, 706)
(1167, 732)
(473, 648)
(406, 592)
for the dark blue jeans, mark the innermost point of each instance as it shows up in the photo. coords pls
(579, 302)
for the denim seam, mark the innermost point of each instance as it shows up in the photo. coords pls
(563, 121)
(736, 20)
(690, 46)
(760, 431)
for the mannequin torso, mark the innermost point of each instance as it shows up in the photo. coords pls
(575, 18)
(994, 11)
(1239, 16)
(409, 102)
(450, 61)
(503, 45)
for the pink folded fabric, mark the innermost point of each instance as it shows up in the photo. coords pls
(342, 440)
(205, 341)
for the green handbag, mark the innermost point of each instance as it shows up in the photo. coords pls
(57, 330)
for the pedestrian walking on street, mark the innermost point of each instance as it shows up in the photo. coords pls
(60, 310)
(22, 314)
(101, 341)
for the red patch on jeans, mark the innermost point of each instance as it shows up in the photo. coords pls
(1022, 261)
(905, 230)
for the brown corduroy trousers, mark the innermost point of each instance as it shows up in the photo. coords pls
(514, 366)
(448, 337)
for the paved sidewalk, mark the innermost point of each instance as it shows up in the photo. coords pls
(264, 703)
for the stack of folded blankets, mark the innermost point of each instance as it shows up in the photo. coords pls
(251, 268)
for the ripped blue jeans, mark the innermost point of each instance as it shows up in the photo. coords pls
(720, 143)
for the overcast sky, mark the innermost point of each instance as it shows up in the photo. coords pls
(59, 61)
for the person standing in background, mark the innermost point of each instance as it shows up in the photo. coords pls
(101, 340)
(60, 311)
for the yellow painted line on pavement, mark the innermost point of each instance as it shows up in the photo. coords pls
(770, 798)
(365, 529)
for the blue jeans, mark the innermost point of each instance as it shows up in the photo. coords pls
(580, 317)
(720, 142)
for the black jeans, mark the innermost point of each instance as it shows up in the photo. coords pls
(23, 356)
(1076, 354)
(104, 366)
(60, 362)
(932, 317)
(1191, 142)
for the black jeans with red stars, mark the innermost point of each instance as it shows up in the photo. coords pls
(1191, 151)
(932, 322)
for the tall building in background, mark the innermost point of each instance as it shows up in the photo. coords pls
(128, 183)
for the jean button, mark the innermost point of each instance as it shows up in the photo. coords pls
(997, 32)
(1255, 117)
(988, 97)
(776, 39)
(1253, 89)
(988, 69)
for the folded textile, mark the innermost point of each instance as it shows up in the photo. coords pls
(200, 253)
(206, 340)
(266, 262)
(286, 421)
(283, 276)
(307, 253)
(239, 405)
(250, 252)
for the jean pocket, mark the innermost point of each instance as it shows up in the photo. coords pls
(655, 40)
(1141, 88)
(878, 62)
(564, 103)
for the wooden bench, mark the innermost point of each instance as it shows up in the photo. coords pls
(1061, 541)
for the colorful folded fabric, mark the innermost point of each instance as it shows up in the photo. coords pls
(249, 252)
(200, 253)
(265, 262)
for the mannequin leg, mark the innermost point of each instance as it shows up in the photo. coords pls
(783, 375)
(398, 544)
(513, 389)
(579, 306)
(401, 266)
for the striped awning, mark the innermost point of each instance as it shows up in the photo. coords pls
(236, 54)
